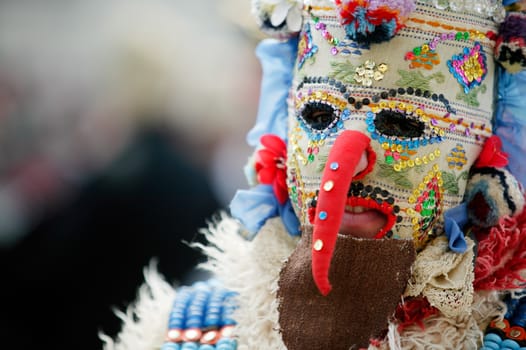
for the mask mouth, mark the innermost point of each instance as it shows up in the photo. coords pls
(367, 218)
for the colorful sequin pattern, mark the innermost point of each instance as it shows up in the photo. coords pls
(422, 135)
(306, 49)
(469, 68)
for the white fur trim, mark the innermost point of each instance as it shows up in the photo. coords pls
(251, 269)
(144, 323)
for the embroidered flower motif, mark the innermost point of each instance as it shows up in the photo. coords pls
(306, 48)
(469, 67)
(492, 154)
(373, 21)
(271, 165)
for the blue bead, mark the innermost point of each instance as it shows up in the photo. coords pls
(170, 346)
(323, 215)
(207, 347)
(335, 166)
(510, 344)
(190, 346)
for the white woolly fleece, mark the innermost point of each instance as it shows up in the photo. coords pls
(144, 323)
(252, 269)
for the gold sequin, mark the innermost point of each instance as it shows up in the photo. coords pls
(382, 67)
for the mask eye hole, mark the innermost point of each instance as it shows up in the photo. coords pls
(393, 123)
(318, 116)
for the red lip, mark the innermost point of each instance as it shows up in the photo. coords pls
(366, 218)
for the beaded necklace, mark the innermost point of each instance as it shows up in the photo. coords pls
(201, 318)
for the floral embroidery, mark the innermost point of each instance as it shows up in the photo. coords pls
(417, 80)
(471, 98)
(469, 67)
(306, 48)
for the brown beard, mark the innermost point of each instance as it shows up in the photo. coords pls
(368, 278)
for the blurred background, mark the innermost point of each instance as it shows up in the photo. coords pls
(122, 132)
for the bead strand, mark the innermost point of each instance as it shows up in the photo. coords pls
(202, 318)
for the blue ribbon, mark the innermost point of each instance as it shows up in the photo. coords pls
(255, 206)
(277, 62)
(454, 221)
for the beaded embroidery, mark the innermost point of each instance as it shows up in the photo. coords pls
(306, 48)
(469, 67)
(456, 158)
(338, 46)
(471, 98)
(201, 318)
(427, 201)
(363, 75)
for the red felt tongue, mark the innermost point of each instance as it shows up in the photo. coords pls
(337, 176)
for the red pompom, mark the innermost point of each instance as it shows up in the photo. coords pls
(492, 155)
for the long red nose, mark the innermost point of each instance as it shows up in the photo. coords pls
(341, 166)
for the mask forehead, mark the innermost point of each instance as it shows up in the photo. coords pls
(421, 97)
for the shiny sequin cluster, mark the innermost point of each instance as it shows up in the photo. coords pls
(454, 123)
(486, 8)
(201, 319)
(340, 113)
(399, 143)
(425, 56)
(469, 67)
(427, 206)
(368, 72)
(456, 158)
(306, 48)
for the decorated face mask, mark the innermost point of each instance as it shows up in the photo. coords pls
(389, 112)
(382, 135)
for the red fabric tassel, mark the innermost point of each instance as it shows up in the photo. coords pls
(413, 311)
(501, 258)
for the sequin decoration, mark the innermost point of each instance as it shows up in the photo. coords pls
(456, 158)
(338, 46)
(306, 48)
(469, 67)
(427, 206)
(425, 55)
(368, 72)
(401, 128)
(317, 98)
